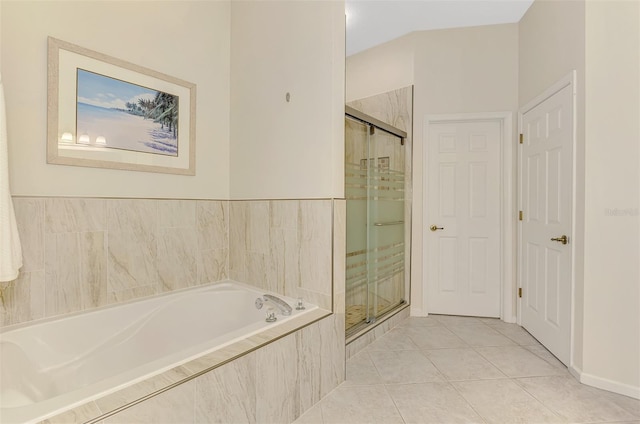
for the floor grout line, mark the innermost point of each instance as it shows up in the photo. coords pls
(536, 402)
(468, 403)
(395, 404)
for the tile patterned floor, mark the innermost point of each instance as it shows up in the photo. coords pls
(444, 369)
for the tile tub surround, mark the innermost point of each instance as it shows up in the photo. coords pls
(283, 246)
(270, 385)
(120, 242)
(83, 253)
(231, 385)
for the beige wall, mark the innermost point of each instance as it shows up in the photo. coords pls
(466, 70)
(193, 44)
(283, 149)
(551, 45)
(381, 69)
(612, 198)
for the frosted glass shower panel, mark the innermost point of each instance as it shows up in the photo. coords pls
(376, 208)
(386, 229)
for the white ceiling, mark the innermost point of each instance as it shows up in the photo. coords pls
(373, 22)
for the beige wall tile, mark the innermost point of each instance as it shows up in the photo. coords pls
(309, 365)
(177, 213)
(284, 214)
(256, 270)
(30, 220)
(322, 300)
(64, 215)
(237, 240)
(314, 240)
(173, 406)
(277, 395)
(213, 265)
(137, 216)
(132, 261)
(22, 300)
(63, 287)
(93, 269)
(292, 255)
(131, 294)
(213, 224)
(275, 261)
(332, 352)
(177, 264)
(257, 235)
(228, 394)
(291, 259)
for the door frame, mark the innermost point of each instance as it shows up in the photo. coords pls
(567, 80)
(507, 202)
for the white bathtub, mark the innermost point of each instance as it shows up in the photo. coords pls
(48, 367)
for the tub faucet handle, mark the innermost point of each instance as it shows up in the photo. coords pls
(300, 305)
(259, 303)
(271, 315)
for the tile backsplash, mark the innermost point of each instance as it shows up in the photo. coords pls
(284, 246)
(83, 253)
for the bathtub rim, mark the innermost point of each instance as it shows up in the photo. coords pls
(140, 391)
(205, 286)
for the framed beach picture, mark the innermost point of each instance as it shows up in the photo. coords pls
(107, 113)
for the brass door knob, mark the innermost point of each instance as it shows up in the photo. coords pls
(562, 239)
(434, 228)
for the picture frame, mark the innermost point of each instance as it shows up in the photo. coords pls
(105, 112)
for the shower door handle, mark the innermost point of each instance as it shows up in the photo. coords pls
(434, 228)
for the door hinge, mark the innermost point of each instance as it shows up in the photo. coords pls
(519, 291)
(520, 215)
(521, 138)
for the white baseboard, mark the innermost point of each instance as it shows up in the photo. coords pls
(605, 384)
(575, 372)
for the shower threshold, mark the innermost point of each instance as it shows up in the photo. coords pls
(363, 328)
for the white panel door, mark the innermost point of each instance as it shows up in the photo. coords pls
(463, 227)
(546, 171)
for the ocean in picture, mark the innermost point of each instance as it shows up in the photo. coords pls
(116, 114)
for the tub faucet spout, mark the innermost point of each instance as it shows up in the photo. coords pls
(284, 307)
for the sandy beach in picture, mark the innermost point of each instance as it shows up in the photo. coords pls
(122, 130)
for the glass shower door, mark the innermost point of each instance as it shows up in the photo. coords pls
(386, 206)
(375, 188)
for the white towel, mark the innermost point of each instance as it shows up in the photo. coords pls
(10, 249)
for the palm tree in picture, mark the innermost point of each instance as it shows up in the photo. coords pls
(165, 111)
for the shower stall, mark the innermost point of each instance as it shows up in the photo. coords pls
(377, 164)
